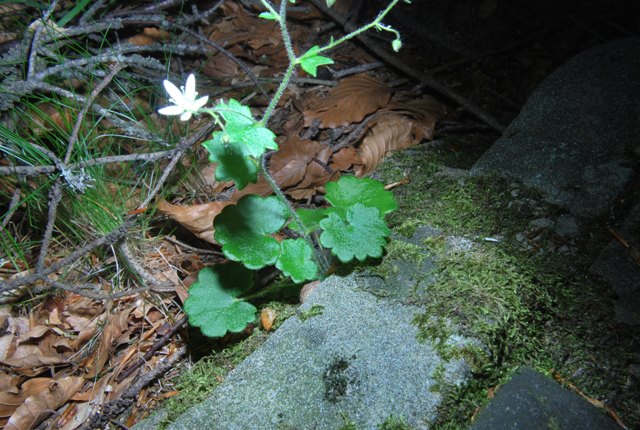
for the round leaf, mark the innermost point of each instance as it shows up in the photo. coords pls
(360, 234)
(349, 190)
(233, 164)
(241, 128)
(296, 262)
(213, 303)
(245, 230)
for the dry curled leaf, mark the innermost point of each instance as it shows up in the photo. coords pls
(391, 133)
(148, 36)
(267, 318)
(349, 102)
(45, 396)
(198, 219)
(318, 173)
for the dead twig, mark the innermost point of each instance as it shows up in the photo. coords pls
(156, 346)
(115, 408)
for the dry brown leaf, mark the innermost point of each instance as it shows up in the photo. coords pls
(198, 219)
(75, 415)
(267, 318)
(148, 36)
(408, 124)
(25, 355)
(116, 325)
(426, 111)
(288, 166)
(260, 188)
(43, 401)
(220, 66)
(10, 401)
(391, 133)
(345, 158)
(354, 98)
(316, 176)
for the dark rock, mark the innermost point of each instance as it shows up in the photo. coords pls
(532, 401)
(575, 136)
(619, 265)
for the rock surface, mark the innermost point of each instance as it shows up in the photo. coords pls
(531, 401)
(359, 358)
(575, 136)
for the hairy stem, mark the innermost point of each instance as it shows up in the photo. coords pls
(318, 256)
(372, 24)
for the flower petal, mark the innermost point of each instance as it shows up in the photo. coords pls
(197, 104)
(190, 88)
(171, 110)
(174, 92)
(185, 116)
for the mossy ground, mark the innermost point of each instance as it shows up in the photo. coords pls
(525, 302)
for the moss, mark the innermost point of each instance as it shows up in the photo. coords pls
(398, 250)
(457, 205)
(393, 423)
(313, 311)
(529, 307)
(347, 423)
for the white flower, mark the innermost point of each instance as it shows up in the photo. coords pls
(184, 99)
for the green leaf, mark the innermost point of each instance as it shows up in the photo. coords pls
(310, 61)
(268, 15)
(310, 218)
(330, 3)
(245, 230)
(234, 113)
(213, 303)
(349, 190)
(233, 163)
(360, 234)
(240, 127)
(295, 260)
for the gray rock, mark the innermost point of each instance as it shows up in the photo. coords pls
(575, 136)
(541, 223)
(531, 401)
(566, 226)
(359, 358)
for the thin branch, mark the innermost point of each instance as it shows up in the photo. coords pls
(13, 205)
(116, 407)
(28, 171)
(95, 6)
(156, 346)
(92, 291)
(110, 238)
(113, 71)
(55, 195)
(128, 126)
(227, 54)
(182, 148)
(148, 278)
(357, 69)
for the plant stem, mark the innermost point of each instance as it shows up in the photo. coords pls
(318, 257)
(374, 23)
(282, 23)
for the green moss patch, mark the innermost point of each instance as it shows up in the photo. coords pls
(525, 304)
